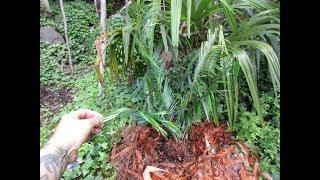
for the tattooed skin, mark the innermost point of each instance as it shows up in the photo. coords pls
(45, 177)
(54, 166)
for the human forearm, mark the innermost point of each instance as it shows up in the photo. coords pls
(53, 162)
(73, 130)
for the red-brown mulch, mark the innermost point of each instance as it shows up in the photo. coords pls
(209, 153)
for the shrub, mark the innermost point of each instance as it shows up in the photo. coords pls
(264, 140)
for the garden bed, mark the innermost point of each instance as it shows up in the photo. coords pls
(209, 153)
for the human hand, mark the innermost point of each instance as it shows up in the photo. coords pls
(75, 129)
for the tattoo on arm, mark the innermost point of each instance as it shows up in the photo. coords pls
(45, 177)
(54, 165)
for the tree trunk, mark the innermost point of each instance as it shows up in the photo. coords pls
(66, 34)
(129, 62)
(47, 6)
(103, 16)
(98, 7)
(103, 45)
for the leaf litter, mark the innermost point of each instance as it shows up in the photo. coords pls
(209, 153)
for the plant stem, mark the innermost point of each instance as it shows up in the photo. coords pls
(66, 34)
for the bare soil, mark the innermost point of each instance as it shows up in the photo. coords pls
(53, 100)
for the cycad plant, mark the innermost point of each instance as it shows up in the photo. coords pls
(184, 82)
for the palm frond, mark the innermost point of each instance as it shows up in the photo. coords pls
(188, 17)
(260, 4)
(265, 22)
(167, 94)
(204, 9)
(250, 31)
(148, 118)
(172, 128)
(198, 9)
(204, 51)
(115, 113)
(266, 16)
(175, 21)
(230, 15)
(113, 63)
(231, 88)
(275, 43)
(164, 38)
(246, 67)
(214, 105)
(207, 106)
(153, 123)
(153, 19)
(126, 42)
(272, 58)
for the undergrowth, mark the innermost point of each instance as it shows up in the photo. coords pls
(83, 24)
(265, 141)
(93, 156)
(51, 71)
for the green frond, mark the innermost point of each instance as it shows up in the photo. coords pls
(272, 58)
(264, 17)
(164, 38)
(207, 107)
(214, 107)
(250, 31)
(197, 9)
(115, 113)
(275, 43)
(153, 123)
(203, 10)
(229, 13)
(150, 118)
(222, 41)
(231, 89)
(172, 128)
(167, 94)
(260, 4)
(188, 17)
(153, 20)
(266, 22)
(247, 70)
(113, 63)
(126, 41)
(175, 21)
(204, 51)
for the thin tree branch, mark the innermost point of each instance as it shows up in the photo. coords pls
(66, 34)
